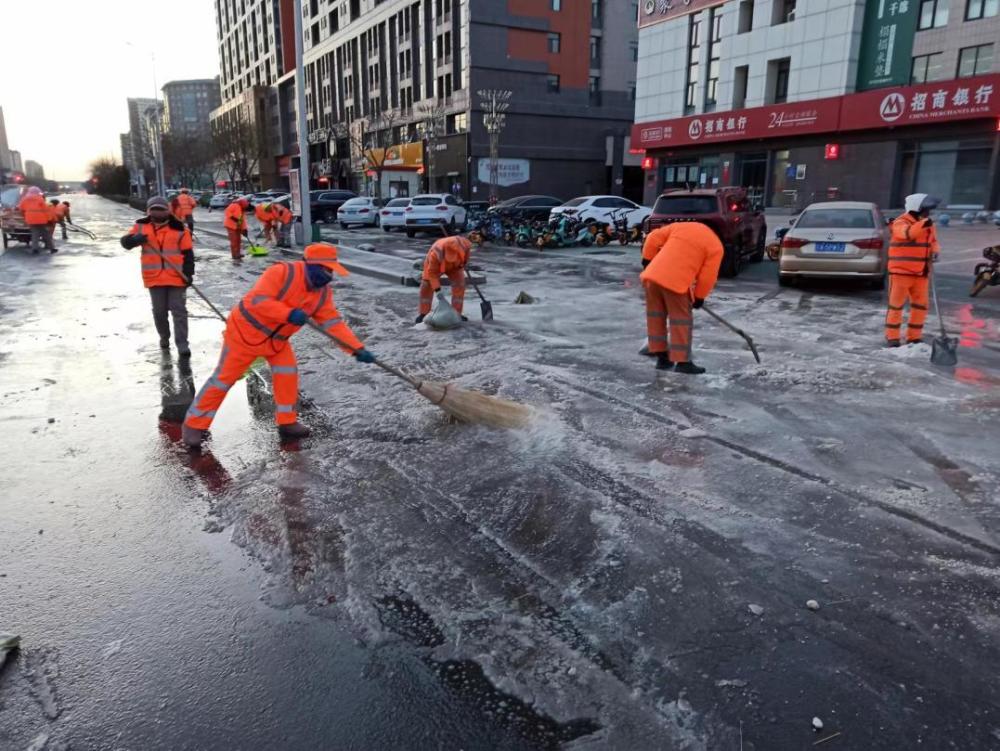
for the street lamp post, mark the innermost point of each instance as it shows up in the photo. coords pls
(300, 96)
(494, 103)
(432, 129)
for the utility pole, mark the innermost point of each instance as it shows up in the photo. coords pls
(494, 103)
(300, 96)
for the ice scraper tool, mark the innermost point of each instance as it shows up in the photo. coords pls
(944, 348)
(738, 332)
(485, 306)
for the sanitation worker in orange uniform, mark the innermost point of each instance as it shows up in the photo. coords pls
(235, 222)
(59, 212)
(283, 220)
(284, 298)
(680, 268)
(183, 206)
(37, 216)
(447, 257)
(265, 215)
(913, 247)
(167, 269)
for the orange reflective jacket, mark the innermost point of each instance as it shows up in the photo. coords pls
(35, 210)
(183, 206)
(164, 246)
(260, 319)
(234, 217)
(447, 254)
(59, 211)
(682, 255)
(281, 213)
(911, 245)
(263, 214)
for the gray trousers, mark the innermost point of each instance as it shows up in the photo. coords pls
(40, 232)
(172, 300)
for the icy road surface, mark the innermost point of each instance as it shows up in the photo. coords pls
(630, 573)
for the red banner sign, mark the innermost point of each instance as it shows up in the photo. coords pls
(943, 101)
(655, 11)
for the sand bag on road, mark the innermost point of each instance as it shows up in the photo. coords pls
(443, 316)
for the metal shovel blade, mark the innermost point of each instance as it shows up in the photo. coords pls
(944, 351)
(486, 308)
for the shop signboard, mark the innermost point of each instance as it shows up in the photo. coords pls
(656, 11)
(510, 171)
(887, 43)
(295, 189)
(924, 104)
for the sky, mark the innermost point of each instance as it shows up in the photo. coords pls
(68, 71)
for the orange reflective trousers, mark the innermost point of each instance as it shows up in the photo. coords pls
(235, 243)
(457, 279)
(905, 288)
(236, 357)
(662, 307)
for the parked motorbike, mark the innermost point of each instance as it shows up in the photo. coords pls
(561, 232)
(987, 274)
(624, 232)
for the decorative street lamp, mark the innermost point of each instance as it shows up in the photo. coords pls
(494, 103)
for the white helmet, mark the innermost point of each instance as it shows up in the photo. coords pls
(918, 202)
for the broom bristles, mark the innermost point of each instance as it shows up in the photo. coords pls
(474, 407)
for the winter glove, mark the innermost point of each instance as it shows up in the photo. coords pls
(928, 222)
(297, 317)
(698, 302)
(420, 318)
(645, 262)
(436, 290)
(132, 241)
(934, 257)
(363, 355)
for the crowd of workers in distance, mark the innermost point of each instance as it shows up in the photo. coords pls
(42, 216)
(680, 268)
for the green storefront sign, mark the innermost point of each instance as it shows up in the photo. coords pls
(887, 43)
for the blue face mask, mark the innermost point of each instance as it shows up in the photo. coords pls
(319, 276)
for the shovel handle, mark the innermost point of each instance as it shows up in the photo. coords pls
(474, 285)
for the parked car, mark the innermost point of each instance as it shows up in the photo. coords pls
(836, 239)
(359, 210)
(12, 224)
(220, 200)
(527, 208)
(434, 211)
(325, 203)
(393, 214)
(741, 227)
(599, 209)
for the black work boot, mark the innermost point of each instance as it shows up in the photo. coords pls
(892, 343)
(192, 437)
(690, 368)
(663, 361)
(646, 353)
(164, 344)
(295, 430)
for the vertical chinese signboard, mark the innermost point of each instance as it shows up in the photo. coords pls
(887, 43)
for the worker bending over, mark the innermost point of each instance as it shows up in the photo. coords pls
(447, 257)
(913, 247)
(265, 216)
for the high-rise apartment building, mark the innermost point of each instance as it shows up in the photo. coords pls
(187, 106)
(801, 101)
(5, 158)
(34, 170)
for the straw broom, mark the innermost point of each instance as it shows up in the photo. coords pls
(463, 405)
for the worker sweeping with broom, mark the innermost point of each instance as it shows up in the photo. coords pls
(680, 268)
(286, 297)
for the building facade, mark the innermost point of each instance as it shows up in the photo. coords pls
(834, 98)
(15, 160)
(34, 170)
(6, 162)
(139, 154)
(393, 87)
(187, 106)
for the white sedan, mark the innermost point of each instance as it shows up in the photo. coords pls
(393, 214)
(434, 212)
(360, 210)
(601, 208)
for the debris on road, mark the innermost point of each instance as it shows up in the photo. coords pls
(812, 604)
(817, 724)
(756, 609)
(524, 299)
(8, 643)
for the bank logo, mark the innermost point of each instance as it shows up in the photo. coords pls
(649, 6)
(694, 130)
(892, 107)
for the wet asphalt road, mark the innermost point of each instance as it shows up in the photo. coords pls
(398, 582)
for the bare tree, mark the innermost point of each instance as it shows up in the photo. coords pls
(432, 126)
(371, 138)
(238, 141)
(188, 158)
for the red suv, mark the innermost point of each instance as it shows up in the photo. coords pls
(741, 228)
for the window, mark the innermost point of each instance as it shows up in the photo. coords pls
(714, 39)
(594, 87)
(927, 68)
(634, 46)
(777, 75)
(694, 55)
(554, 43)
(973, 61)
(741, 77)
(745, 22)
(461, 122)
(933, 14)
(595, 10)
(977, 9)
(552, 84)
(605, 203)
(556, 4)
(595, 52)
(783, 12)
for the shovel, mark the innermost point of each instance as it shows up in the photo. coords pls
(944, 348)
(485, 306)
(738, 332)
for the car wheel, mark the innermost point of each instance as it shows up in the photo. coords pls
(377, 221)
(6, 241)
(329, 216)
(878, 284)
(411, 233)
(343, 225)
(386, 229)
(758, 254)
(450, 228)
(732, 261)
